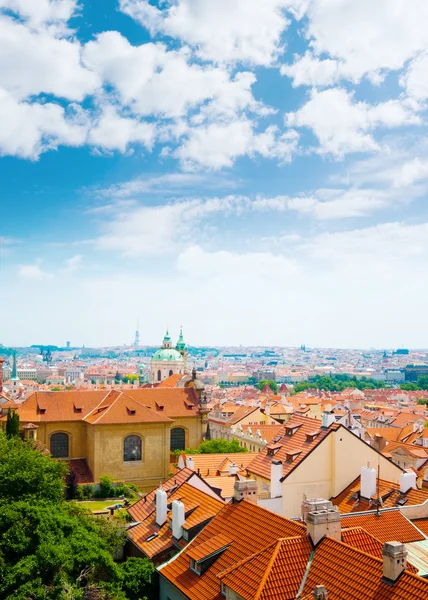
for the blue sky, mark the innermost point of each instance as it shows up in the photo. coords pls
(255, 170)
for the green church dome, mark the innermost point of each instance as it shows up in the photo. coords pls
(167, 354)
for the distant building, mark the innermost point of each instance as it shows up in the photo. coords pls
(167, 360)
(412, 372)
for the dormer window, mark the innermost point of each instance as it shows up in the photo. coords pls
(195, 567)
(272, 449)
(291, 429)
(292, 454)
(131, 411)
(310, 437)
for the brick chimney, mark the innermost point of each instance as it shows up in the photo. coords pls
(320, 592)
(394, 560)
(324, 522)
(246, 489)
(1, 374)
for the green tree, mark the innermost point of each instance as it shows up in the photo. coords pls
(27, 473)
(219, 446)
(12, 424)
(409, 387)
(139, 579)
(270, 382)
(422, 382)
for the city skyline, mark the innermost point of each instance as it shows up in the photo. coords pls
(253, 171)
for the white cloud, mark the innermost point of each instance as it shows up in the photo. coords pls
(361, 38)
(155, 81)
(220, 31)
(342, 125)
(73, 264)
(34, 272)
(35, 62)
(53, 14)
(28, 129)
(218, 145)
(113, 132)
(411, 172)
(415, 79)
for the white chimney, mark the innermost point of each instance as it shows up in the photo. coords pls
(327, 419)
(368, 482)
(190, 463)
(233, 469)
(161, 506)
(275, 478)
(324, 522)
(394, 560)
(407, 481)
(178, 519)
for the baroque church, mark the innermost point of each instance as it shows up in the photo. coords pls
(167, 360)
(128, 434)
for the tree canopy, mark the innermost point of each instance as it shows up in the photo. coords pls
(12, 424)
(219, 446)
(51, 549)
(270, 382)
(338, 383)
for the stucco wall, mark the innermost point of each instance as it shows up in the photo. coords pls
(167, 590)
(332, 466)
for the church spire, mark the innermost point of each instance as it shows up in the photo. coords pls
(181, 344)
(14, 372)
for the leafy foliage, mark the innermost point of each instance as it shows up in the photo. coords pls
(51, 549)
(219, 446)
(270, 382)
(26, 473)
(338, 383)
(12, 424)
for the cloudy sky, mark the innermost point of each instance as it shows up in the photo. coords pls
(255, 170)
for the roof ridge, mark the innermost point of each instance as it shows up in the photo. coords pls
(268, 569)
(104, 412)
(246, 559)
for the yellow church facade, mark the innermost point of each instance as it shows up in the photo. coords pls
(126, 434)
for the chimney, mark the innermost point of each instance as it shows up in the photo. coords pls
(233, 469)
(320, 592)
(367, 482)
(178, 519)
(275, 478)
(394, 560)
(161, 506)
(1, 374)
(407, 481)
(247, 488)
(324, 522)
(327, 419)
(190, 463)
(314, 505)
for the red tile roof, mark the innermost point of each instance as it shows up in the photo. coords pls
(250, 527)
(261, 465)
(389, 525)
(350, 574)
(388, 491)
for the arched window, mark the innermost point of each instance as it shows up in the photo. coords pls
(159, 375)
(132, 448)
(170, 372)
(59, 445)
(178, 439)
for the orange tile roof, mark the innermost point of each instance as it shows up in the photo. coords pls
(261, 465)
(421, 524)
(170, 381)
(209, 547)
(389, 492)
(212, 465)
(250, 527)
(261, 575)
(241, 413)
(167, 403)
(350, 574)
(359, 538)
(390, 525)
(199, 508)
(147, 505)
(225, 484)
(409, 449)
(266, 431)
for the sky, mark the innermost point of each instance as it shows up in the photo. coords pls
(253, 170)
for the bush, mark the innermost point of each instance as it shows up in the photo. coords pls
(106, 489)
(88, 492)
